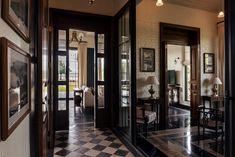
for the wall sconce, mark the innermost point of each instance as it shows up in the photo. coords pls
(91, 1)
(176, 60)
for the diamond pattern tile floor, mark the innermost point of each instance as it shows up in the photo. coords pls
(86, 141)
(89, 143)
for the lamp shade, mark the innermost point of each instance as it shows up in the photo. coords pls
(217, 81)
(152, 80)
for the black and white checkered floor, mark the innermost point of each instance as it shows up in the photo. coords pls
(89, 143)
(86, 141)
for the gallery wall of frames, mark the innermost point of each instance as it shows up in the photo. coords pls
(15, 72)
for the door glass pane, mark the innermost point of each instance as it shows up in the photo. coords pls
(61, 40)
(61, 68)
(101, 43)
(100, 96)
(62, 105)
(73, 71)
(100, 69)
(62, 91)
(124, 74)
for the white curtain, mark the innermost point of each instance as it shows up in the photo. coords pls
(82, 64)
(220, 56)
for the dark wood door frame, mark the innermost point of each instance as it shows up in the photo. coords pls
(179, 35)
(63, 19)
(229, 78)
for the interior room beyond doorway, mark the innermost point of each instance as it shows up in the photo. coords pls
(179, 75)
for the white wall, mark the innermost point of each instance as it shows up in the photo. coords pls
(148, 18)
(173, 52)
(18, 144)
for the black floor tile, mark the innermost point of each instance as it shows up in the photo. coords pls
(63, 152)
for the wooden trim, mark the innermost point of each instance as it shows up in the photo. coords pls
(229, 78)
(23, 30)
(6, 131)
(184, 36)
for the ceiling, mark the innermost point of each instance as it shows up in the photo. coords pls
(208, 5)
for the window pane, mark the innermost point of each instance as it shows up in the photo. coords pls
(73, 71)
(100, 70)
(61, 105)
(101, 43)
(62, 91)
(62, 68)
(100, 96)
(62, 40)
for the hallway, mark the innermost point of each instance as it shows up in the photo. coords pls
(83, 140)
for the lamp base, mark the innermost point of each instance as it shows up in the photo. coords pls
(151, 92)
(215, 90)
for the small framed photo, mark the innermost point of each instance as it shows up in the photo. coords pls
(209, 62)
(147, 60)
(17, 14)
(15, 86)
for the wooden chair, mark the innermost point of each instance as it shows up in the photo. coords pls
(211, 119)
(145, 118)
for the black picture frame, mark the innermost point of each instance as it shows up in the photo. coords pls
(209, 63)
(147, 59)
(17, 15)
(15, 86)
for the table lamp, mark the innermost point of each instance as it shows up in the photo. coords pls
(152, 80)
(216, 82)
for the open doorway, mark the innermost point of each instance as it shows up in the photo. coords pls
(179, 88)
(80, 81)
(81, 78)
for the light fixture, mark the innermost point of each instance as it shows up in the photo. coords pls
(91, 1)
(79, 39)
(159, 3)
(221, 13)
(176, 60)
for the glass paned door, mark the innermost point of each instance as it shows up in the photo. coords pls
(100, 106)
(62, 81)
(124, 74)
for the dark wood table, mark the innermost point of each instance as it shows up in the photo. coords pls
(213, 100)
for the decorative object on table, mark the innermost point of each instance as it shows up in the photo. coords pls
(209, 62)
(15, 75)
(147, 60)
(17, 15)
(152, 80)
(216, 82)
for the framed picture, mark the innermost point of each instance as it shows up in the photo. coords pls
(16, 14)
(15, 86)
(147, 60)
(209, 62)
